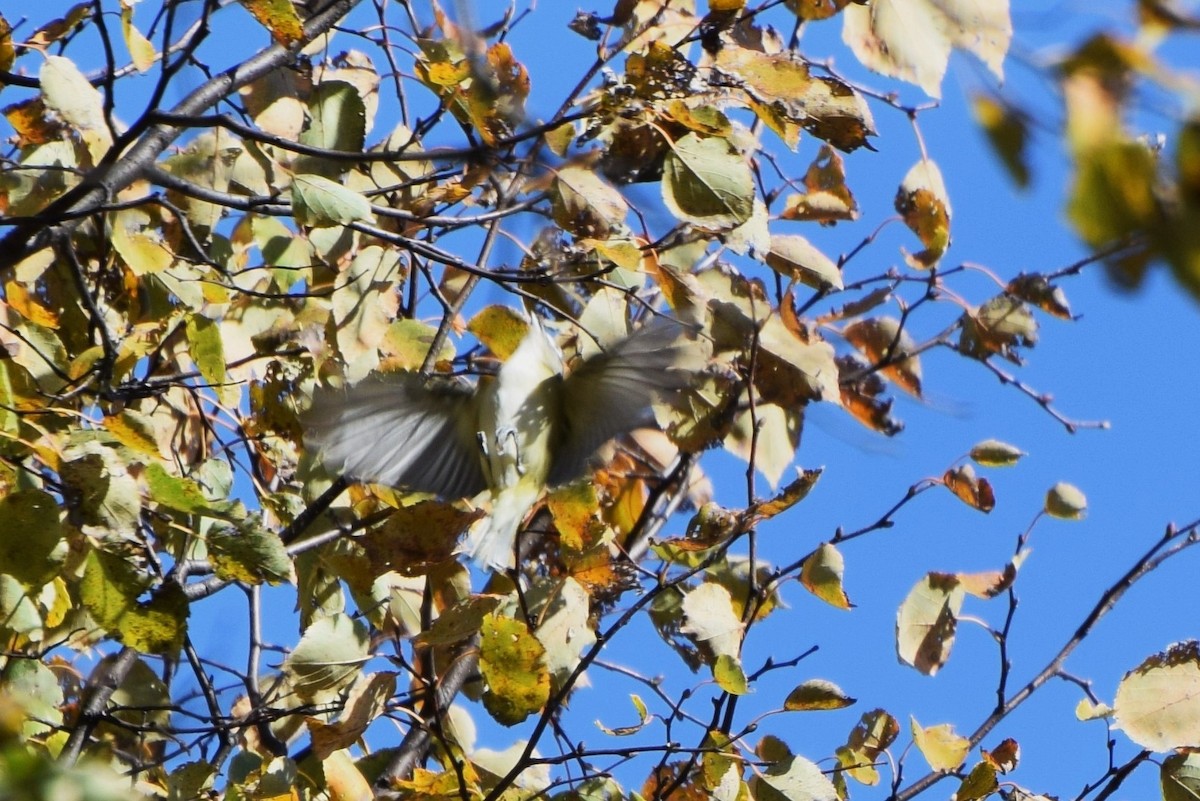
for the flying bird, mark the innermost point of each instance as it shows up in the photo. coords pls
(514, 434)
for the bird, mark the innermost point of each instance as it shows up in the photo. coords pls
(534, 425)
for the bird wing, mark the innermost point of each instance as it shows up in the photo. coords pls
(612, 392)
(401, 431)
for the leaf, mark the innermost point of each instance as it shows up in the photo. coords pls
(992, 583)
(709, 619)
(337, 120)
(1066, 501)
(774, 448)
(942, 748)
(72, 97)
(343, 780)
(279, 17)
(911, 39)
(1037, 291)
(790, 777)
(795, 257)
(328, 657)
(728, 673)
(320, 202)
(994, 453)
(565, 630)
(822, 576)
(1180, 777)
(884, 342)
(817, 694)
(875, 731)
(1158, 703)
(1086, 710)
(979, 783)
(624, 731)
(586, 205)
(924, 204)
(141, 51)
(500, 329)
(787, 497)
(183, 494)
(417, 537)
(206, 348)
(365, 702)
(157, 626)
(972, 490)
(512, 662)
(1007, 130)
(999, 326)
(708, 183)
(37, 554)
(926, 622)
(828, 198)
(1005, 756)
(249, 554)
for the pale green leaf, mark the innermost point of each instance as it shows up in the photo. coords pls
(708, 183)
(320, 202)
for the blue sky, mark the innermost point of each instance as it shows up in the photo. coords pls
(1129, 359)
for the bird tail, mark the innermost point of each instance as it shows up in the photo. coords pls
(491, 542)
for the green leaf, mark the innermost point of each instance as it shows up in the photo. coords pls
(158, 626)
(822, 576)
(708, 183)
(512, 662)
(994, 453)
(250, 555)
(1066, 501)
(328, 657)
(979, 783)
(817, 694)
(320, 202)
(728, 673)
(37, 554)
(279, 17)
(337, 120)
(1180, 777)
(206, 349)
(183, 494)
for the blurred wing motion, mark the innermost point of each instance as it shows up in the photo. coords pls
(612, 393)
(404, 431)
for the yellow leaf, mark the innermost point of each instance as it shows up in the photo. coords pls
(942, 748)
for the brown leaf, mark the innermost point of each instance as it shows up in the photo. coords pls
(970, 489)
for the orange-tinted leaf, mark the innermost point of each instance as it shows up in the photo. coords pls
(1005, 756)
(972, 490)
(1035, 290)
(924, 204)
(279, 17)
(885, 343)
(828, 198)
(416, 537)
